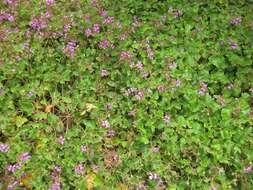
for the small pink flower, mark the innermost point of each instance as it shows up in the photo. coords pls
(110, 133)
(79, 169)
(105, 124)
(12, 185)
(152, 176)
(24, 156)
(139, 65)
(14, 167)
(112, 46)
(83, 148)
(95, 168)
(104, 73)
(49, 2)
(57, 169)
(104, 44)
(203, 88)
(160, 88)
(166, 118)
(234, 45)
(61, 140)
(236, 21)
(96, 28)
(132, 113)
(103, 13)
(108, 20)
(108, 106)
(4, 148)
(247, 169)
(155, 149)
(88, 32)
(125, 55)
(178, 82)
(212, 188)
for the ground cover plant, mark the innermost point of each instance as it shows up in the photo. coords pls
(126, 94)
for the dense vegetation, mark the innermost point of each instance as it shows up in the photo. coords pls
(126, 94)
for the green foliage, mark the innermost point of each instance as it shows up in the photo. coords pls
(158, 96)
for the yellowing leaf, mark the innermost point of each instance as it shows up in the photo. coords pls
(48, 108)
(88, 108)
(122, 186)
(90, 181)
(20, 121)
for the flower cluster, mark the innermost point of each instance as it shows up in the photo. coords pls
(6, 16)
(236, 21)
(203, 88)
(4, 148)
(69, 49)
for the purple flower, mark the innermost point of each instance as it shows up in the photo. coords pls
(24, 156)
(139, 65)
(18, 58)
(122, 37)
(178, 82)
(14, 167)
(177, 13)
(6, 16)
(119, 25)
(150, 53)
(105, 124)
(145, 74)
(69, 49)
(166, 118)
(230, 86)
(104, 73)
(160, 88)
(4, 148)
(56, 185)
(95, 168)
(30, 94)
(38, 23)
(234, 45)
(222, 43)
(132, 113)
(212, 188)
(8, 1)
(79, 168)
(247, 169)
(173, 65)
(112, 46)
(104, 44)
(47, 15)
(103, 13)
(87, 18)
(83, 148)
(66, 27)
(88, 32)
(49, 2)
(96, 28)
(155, 149)
(125, 55)
(203, 88)
(110, 133)
(236, 21)
(12, 185)
(108, 106)
(139, 95)
(57, 169)
(108, 20)
(152, 176)
(61, 140)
